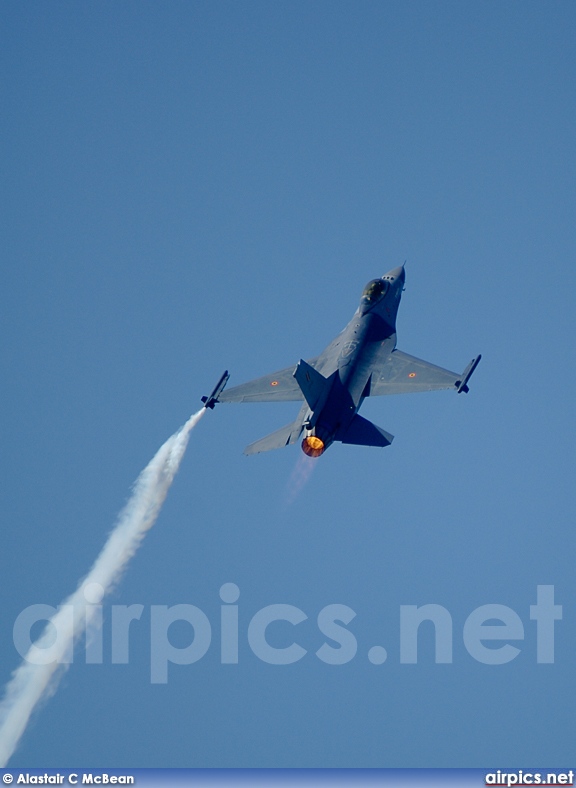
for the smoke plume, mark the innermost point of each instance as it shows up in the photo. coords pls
(32, 680)
(299, 478)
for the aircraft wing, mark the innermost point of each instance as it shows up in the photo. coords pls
(279, 386)
(400, 373)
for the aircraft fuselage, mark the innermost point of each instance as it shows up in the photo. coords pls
(362, 361)
(351, 371)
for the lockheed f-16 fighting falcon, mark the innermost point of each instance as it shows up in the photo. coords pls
(360, 362)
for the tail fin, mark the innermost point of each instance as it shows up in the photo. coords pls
(312, 383)
(276, 440)
(364, 433)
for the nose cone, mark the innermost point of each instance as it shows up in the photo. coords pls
(396, 274)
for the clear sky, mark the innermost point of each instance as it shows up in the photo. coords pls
(194, 186)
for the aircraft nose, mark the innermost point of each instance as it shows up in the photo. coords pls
(397, 273)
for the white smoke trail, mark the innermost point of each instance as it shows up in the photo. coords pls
(299, 477)
(32, 680)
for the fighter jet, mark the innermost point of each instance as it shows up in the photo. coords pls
(360, 362)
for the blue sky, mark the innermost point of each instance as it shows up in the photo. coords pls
(189, 187)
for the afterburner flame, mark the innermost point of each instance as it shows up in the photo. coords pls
(313, 446)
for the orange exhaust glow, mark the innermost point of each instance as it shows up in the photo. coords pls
(313, 446)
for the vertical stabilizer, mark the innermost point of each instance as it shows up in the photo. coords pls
(312, 383)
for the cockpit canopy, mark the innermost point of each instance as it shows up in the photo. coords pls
(373, 292)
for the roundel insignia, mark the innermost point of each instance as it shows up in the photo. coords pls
(274, 383)
(412, 375)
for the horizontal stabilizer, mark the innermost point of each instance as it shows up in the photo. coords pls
(276, 440)
(362, 432)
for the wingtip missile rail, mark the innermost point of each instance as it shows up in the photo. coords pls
(462, 385)
(212, 398)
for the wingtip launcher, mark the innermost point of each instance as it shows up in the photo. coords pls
(462, 385)
(212, 398)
